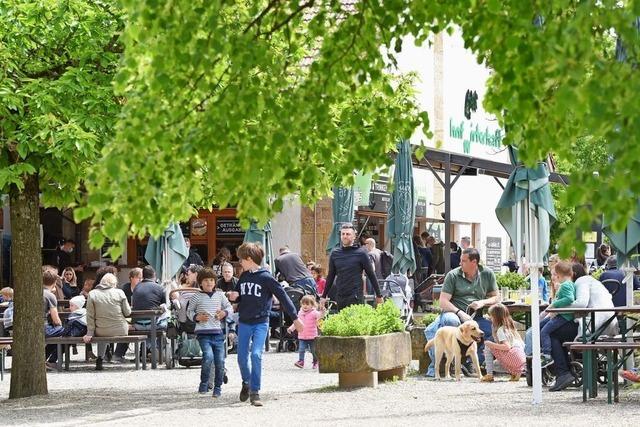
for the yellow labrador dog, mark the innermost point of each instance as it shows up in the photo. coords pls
(456, 343)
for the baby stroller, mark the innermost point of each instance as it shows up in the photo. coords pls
(396, 287)
(423, 292)
(288, 341)
(184, 349)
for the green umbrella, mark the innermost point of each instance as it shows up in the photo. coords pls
(342, 207)
(526, 211)
(167, 253)
(531, 186)
(626, 241)
(402, 212)
(262, 235)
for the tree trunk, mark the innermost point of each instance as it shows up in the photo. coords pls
(28, 373)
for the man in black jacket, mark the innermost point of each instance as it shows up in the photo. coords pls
(348, 262)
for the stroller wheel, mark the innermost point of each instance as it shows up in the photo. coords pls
(576, 371)
(225, 379)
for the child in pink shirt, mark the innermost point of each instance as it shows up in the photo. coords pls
(309, 316)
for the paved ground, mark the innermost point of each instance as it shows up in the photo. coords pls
(163, 397)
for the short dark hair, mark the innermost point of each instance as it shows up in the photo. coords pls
(194, 268)
(49, 278)
(104, 270)
(472, 253)
(148, 272)
(206, 273)
(250, 250)
(578, 270)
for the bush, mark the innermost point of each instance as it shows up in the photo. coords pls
(428, 319)
(511, 280)
(358, 320)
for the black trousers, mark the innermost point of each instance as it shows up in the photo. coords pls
(565, 333)
(346, 301)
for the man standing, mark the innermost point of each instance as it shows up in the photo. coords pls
(375, 255)
(293, 269)
(465, 242)
(194, 257)
(346, 265)
(466, 290)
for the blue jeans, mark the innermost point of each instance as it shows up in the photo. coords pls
(547, 329)
(161, 325)
(212, 346)
(451, 319)
(303, 345)
(51, 351)
(307, 283)
(528, 337)
(251, 338)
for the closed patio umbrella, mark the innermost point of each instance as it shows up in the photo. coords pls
(167, 253)
(263, 236)
(342, 207)
(526, 212)
(402, 212)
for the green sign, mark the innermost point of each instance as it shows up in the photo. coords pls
(474, 135)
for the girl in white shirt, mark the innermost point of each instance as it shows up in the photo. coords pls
(507, 346)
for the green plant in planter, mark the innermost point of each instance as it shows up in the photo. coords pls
(511, 280)
(359, 320)
(428, 319)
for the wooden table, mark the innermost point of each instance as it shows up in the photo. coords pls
(526, 310)
(589, 362)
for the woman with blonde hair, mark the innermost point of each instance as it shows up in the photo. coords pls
(70, 283)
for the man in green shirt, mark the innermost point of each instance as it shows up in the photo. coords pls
(466, 289)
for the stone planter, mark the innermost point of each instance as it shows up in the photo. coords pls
(363, 361)
(418, 341)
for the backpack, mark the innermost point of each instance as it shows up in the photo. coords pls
(386, 261)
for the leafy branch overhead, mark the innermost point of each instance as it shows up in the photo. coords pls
(239, 103)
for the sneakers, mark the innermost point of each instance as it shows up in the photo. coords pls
(487, 378)
(299, 364)
(466, 369)
(545, 360)
(515, 378)
(632, 376)
(562, 382)
(217, 392)
(244, 392)
(50, 366)
(99, 364)
(203, 389)
(315, 365)
(255, 399)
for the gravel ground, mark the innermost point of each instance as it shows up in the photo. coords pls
(122, 395)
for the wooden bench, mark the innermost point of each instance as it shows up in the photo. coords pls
(4, 342)
(611, 349)
(139, 342)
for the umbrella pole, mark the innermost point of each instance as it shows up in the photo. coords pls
(628, 282)
(532, 250)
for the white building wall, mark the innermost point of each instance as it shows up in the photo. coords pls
(286, 227)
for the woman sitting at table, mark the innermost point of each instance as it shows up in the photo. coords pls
(590, 293)
(107, 309)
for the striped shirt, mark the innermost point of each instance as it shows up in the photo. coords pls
(203, 302)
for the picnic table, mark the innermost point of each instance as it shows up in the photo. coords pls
(590, 335)
(152, 315)
(525, 309)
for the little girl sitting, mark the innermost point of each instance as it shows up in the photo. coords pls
(508, 347)
(309, 316)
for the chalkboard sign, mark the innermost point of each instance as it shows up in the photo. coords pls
(228, 227)
(421, 208)
(494, 253)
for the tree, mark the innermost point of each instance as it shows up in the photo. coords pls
(57, 107)
(235, 103)
(240, 103)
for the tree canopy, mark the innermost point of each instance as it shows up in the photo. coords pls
(240, 103)
(57, 106)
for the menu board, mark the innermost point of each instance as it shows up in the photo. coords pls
(493, 253)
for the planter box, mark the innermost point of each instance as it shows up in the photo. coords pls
(362, 361)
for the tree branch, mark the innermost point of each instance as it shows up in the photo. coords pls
(288, 19)
(258, 19)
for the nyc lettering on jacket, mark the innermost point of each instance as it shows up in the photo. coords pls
(248, 288)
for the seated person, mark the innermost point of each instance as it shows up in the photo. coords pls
(7, 318)
(107, 310)
(565, 296)
(148, 295)
(53, 324)
(77, 322)
(468, 287)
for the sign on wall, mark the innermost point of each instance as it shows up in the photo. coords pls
(493, 253)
